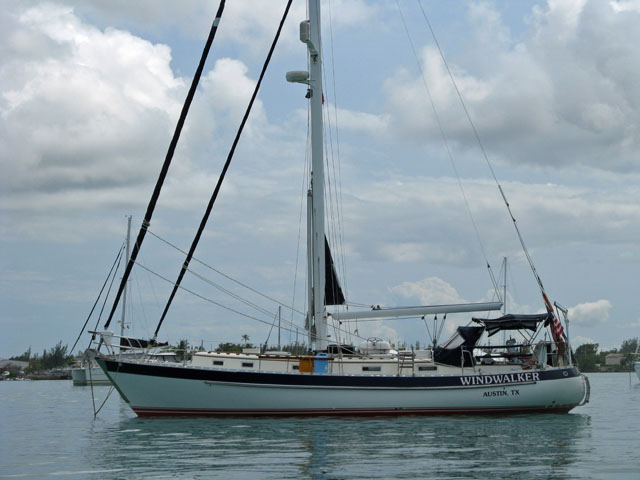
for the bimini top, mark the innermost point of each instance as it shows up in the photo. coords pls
(514, 322)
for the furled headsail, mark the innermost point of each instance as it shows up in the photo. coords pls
(332, 291)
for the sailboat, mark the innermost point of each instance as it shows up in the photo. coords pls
(373, 378)
(88, 372)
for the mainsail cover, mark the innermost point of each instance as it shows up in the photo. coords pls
(514, 322)
(332, 292)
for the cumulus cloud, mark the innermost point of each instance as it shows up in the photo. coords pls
(250, 25)
(580, 340)
(435, 227)
(92, 114)
(383, 331)
(563, 95)
(253, 24)
(429, 291)
(87, 115)
(635, 324)
(369, 123)
(590, 314)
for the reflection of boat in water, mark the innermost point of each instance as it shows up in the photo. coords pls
(462, 376)
(341, 447)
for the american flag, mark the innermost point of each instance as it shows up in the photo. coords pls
(557, 331)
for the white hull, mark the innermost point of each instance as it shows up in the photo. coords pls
(89, 376)
(157, 393)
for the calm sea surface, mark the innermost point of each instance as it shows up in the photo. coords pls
(47, 430)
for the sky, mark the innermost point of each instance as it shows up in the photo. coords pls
(90, 93)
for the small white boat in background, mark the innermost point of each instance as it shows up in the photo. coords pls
(89, 374)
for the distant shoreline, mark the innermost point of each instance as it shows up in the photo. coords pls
(39, 376)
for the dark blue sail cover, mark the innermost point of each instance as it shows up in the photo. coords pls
(458, 351)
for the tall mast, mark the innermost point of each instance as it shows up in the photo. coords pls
(310, 35)
(124, 292)
(309, 319)
(317, 173)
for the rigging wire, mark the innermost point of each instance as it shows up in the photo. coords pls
(333, 201)
(330, 160)
(225, 275)
(167, 161)
(339, 180)
(115, 262)
(303, 197)
(222, 176)
(157, 304)
(293, 328)
(144, 313)
(106, 297)
(202, 296)
(448, 149)
(231, 294)
(486, 157)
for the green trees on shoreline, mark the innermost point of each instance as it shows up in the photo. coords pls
(590, 360)
(55, 357)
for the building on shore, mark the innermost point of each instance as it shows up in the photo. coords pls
(13, 365)
(613, 359)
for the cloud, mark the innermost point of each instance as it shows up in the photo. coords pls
(635, 324)
(92, 114)
(87, 116)
(249, 25)
(429, 291)
(371, 124)
(436, 228)
(252, 25)
(385, 332)
(561, 96)
(590, 314)
(580, 340)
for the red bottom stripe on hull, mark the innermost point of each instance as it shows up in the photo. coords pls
(174, 412)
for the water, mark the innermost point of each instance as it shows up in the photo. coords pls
(47, 430)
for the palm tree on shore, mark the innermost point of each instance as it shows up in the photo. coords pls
(245, 338)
